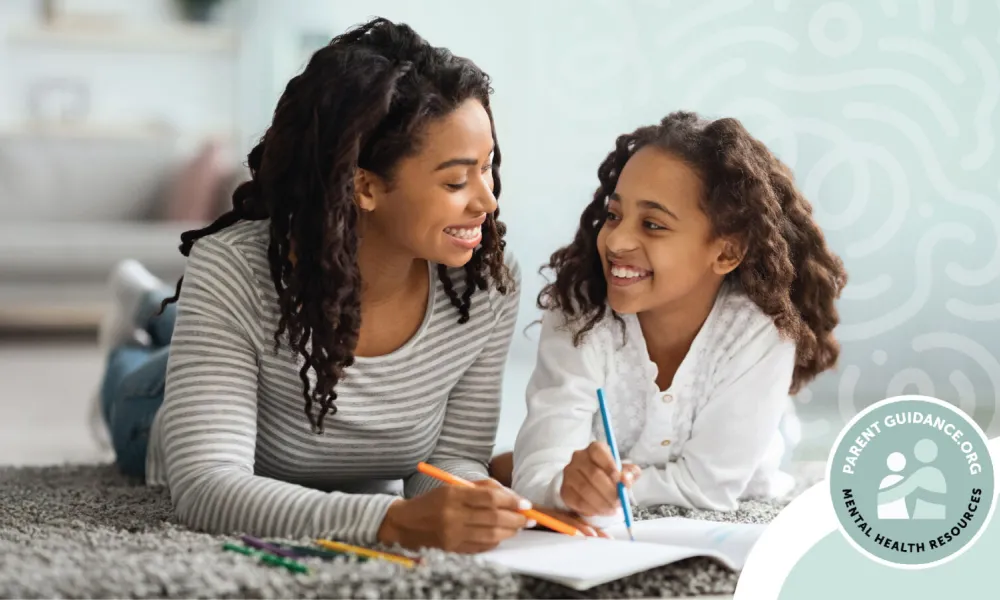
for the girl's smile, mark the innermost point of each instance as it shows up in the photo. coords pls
(625, 275)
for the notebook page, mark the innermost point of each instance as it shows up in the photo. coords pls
(734, 540)
(581, 563)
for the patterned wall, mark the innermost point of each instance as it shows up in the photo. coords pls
(886, 110)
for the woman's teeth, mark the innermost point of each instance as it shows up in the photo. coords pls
(463, 233)
(627, 272)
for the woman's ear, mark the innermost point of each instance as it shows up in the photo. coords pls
(730, 254)
(367, 186)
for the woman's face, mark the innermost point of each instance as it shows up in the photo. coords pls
(656, 245)
(440, 197)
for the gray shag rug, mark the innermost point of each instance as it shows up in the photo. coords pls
(88, 532)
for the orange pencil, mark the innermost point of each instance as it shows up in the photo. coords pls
(539, 517)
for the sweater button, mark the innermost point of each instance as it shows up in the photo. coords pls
(665, 443)
(667, 398)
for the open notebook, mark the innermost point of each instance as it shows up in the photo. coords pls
(582, 563)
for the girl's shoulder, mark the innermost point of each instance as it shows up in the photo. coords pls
(737, 317)
(605, 337)
(740, 332)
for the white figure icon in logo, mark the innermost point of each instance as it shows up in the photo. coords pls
(896, 508)
(895, 488)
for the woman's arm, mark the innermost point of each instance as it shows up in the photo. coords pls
(473, 412)
(731, 434)
(209, 418)
(562, 401)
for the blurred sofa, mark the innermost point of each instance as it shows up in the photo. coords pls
(71, 206)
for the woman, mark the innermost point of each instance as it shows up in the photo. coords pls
(350, 317)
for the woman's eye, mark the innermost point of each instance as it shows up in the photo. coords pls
(611, 217)
(653, 226)
(456, 186)
(487, 167)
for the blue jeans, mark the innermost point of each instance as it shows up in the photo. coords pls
(132, 387)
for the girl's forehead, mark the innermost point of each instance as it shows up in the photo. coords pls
(658, 178)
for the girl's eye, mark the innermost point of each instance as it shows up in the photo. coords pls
(487, 167)
(653, 226)
(455, 186)
(611, 217)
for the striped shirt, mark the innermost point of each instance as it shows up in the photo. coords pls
(232, 441)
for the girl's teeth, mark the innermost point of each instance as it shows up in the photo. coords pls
(469, 233)
(627, 273)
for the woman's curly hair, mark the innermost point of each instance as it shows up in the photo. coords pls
(787, 269)
(362, 101)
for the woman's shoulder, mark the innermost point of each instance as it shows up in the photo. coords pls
(246, 238)
(238, 253)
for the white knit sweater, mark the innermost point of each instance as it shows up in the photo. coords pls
(709, 440)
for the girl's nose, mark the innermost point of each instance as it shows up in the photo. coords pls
(620, 241)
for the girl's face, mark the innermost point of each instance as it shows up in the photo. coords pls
(439, 198)
(656, 245)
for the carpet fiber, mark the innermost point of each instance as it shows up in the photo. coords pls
(87, 532)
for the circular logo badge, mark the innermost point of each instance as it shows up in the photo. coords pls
(912, 481)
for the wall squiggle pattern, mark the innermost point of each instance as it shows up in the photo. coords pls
(889, 114)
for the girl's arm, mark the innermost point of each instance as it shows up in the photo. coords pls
(732, 432)
(468, 435)
(562, 401)
(209, 418)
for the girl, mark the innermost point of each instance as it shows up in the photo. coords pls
(348, 318)
(698, 293)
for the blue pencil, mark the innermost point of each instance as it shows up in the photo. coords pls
(622, 495)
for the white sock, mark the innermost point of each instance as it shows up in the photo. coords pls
(129, 285)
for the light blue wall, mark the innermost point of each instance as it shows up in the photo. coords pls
(886, 110)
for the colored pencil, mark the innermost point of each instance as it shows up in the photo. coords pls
(622, 494)
(267, 547)
(539, 517)
(265, 557)
(320, 552)
(367, 552)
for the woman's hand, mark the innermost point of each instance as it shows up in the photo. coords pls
(456, 519)
(590, 481)
(575, 521)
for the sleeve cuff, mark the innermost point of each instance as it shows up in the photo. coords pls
(553, 496)
(367, 521)
(418, 483)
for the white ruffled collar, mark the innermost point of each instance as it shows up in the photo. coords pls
(634, 337)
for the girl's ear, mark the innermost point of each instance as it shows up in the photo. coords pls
(730, 254)
(367, 188)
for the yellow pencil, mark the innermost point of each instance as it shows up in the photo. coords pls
(341, 547)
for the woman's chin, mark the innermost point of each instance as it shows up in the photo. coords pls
(453, 258)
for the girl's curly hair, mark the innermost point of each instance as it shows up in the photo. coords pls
(788, 270)
(363, 101)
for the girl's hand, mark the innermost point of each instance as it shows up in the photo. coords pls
(455, 519)
(590, 481)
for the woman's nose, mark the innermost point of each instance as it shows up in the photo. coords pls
(484, 200)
